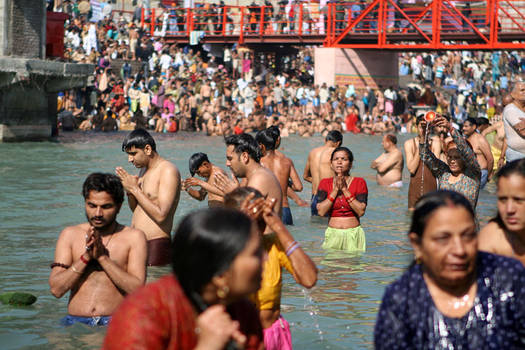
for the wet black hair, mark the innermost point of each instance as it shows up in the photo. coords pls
(392, 138)
(472, 121)
(430, 202)
(244, 143)
(101, 182)
(334, 136)
(265, 138)
(515, 167)
(276, 133)
(344, 149)
(196, 161)
(205, 244)
(138, 138)
(482, 121)
(235, 198)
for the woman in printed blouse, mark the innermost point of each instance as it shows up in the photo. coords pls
(453, 296)
(344, 199)
(461, 172)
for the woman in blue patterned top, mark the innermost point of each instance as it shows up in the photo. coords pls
(453, 297)
(461, 172)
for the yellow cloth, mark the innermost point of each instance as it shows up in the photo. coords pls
(269, 296)
(496, 153)
(348, 239)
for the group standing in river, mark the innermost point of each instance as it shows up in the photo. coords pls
(101, 262)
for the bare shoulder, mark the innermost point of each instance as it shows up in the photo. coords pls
(136, 237)
(73, 231)
(491, 238)
(168, 167)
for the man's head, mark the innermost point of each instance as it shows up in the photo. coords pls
(469, 127)
(103, 195)
(482, 123)
(240, 151)
(200, 165)
(389, 141)
(265, 140)
(511, 196)
(335, 138)
(140, 146)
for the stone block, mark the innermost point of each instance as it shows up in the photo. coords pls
(11, 133)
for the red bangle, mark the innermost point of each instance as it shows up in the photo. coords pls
(349, 199)
(330, 198)
(83, 259)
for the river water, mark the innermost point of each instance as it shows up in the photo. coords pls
(40, 194)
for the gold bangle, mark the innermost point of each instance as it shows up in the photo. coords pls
(75, 270)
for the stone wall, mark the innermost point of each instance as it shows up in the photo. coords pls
(25, 33)
(361, 68)
(3, 26)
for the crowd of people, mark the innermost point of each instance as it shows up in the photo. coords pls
(144, 81)
(104, 264)
(462, 290)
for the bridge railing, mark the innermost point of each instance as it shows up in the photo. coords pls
(373, 23)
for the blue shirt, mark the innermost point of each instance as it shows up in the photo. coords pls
(409, 319)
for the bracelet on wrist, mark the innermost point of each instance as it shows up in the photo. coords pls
(75, 270)
(330, 198)
(292, 248)
(84, 260)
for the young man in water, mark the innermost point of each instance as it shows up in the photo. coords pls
(505, 234)
(99, 261)
(389, 165)
(318, 165)
(481, 147)
(153, 195)
(201, 165)
(281, 167)
(243, 158)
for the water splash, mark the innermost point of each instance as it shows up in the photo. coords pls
(313, 311)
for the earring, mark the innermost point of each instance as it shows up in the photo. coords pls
(418, 260)
(223, 292)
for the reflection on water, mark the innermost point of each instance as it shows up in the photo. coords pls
(40, 186)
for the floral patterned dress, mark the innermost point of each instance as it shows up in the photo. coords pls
(469, 182)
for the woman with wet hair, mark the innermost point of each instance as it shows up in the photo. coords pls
(452, 296)
(217, 263)
(281, 250)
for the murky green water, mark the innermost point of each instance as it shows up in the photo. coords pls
(40, 186)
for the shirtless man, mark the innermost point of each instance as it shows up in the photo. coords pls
(498, 140)
(421, 178)
(99, 261)
(243, 158)
(153, 195)
(482, 149)
(133, 39)
(201, 165)
(291, 193)
(281, 167)
(318, 164)
(205, 90)
(505, 234)
(389, 165)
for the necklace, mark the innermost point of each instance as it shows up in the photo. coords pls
(459, 303)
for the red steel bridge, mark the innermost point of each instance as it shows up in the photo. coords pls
(362, 24)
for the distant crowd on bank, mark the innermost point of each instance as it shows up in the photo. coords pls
(147, 82)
